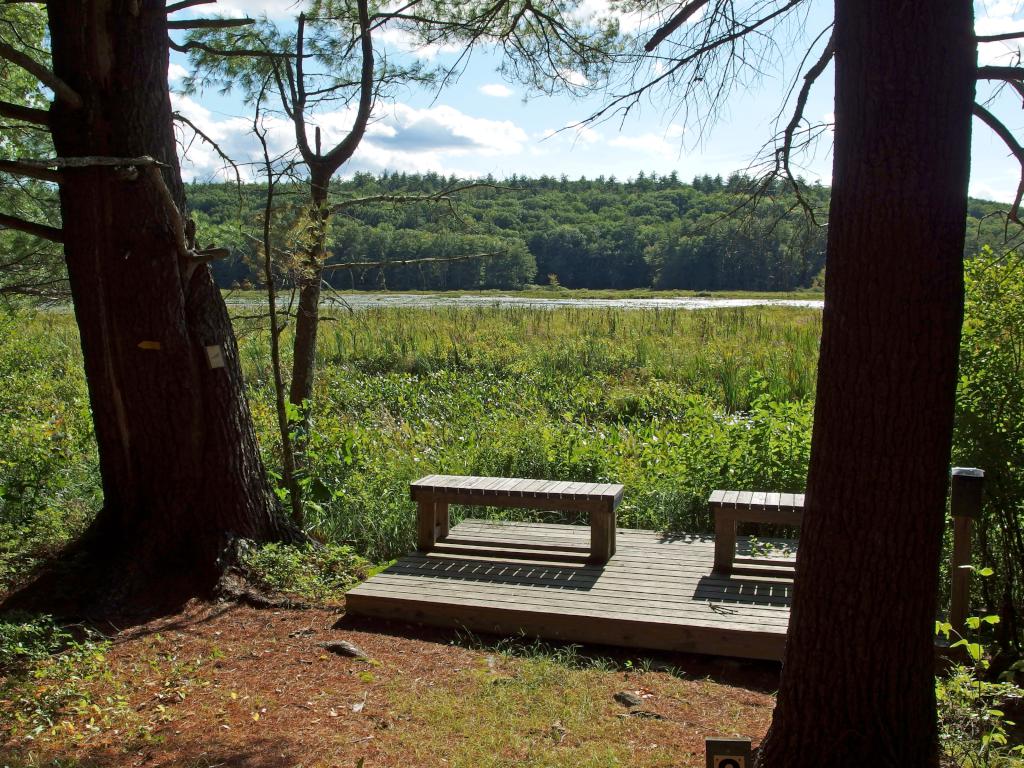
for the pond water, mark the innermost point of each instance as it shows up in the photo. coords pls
(378, 300)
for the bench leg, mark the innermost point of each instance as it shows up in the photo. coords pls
(725, 543)
(441, 519)
(426, 526)
(602, 536)
(431, 524)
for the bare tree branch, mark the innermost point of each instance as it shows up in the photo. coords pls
(1001, 73)
(251, 53)
(783, 153)
(28, 114)
(216, 147)
(209, 23)
(344, 149)
(997, 38)
(41, 73)
(93, 161)
(442, 196)
(29, 170)
(45, 231)
(175, 7)
(406, 262)
(674, 23)
(626, 100)
(1015, 148)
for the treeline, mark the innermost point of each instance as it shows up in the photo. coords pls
(648, 232)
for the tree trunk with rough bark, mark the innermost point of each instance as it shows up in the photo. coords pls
(307, 320)
(857, 683)
(180, 466)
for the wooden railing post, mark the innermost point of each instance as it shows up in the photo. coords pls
(965, 487)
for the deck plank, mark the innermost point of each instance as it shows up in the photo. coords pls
(657, 592)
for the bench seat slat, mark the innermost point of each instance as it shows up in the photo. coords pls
(498, 488)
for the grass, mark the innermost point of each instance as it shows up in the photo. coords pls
(672, 403)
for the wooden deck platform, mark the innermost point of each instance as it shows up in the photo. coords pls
(657, 592)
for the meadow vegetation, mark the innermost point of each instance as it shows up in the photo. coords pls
(672, 403)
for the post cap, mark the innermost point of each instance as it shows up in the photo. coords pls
(965, 490)
(972, 472)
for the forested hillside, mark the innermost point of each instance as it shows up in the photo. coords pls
(648, 232)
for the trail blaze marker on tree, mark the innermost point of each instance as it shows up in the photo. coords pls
(727, 753)
(215, 355)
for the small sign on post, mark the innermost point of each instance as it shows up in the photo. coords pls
(727, 753)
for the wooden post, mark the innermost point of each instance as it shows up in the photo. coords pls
(602, 534)
(725, 541)
(426, 525)
(965, 489)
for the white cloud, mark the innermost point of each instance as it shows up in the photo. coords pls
(628, 22)
(573, 77)
(650, 143)
(275, 9)
(175, 72)
(400, 138)
(403, 42)
(497, 90)
(994, 189)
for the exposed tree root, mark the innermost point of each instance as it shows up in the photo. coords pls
(125, 578)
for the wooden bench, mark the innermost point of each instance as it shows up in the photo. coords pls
(731, 507)
(434, 493)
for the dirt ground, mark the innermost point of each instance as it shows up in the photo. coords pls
(227, 685)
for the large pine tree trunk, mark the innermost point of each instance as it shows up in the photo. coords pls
(180, 465)
(857, 682)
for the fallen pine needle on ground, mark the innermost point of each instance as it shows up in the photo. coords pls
(227, 685)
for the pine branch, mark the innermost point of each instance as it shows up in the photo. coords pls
(44, 231)
(42, 74)
(175, 7)
(1000, 37)
(209, 23)
(31, 170)
(674, 23)
(1001, 73)
(252, 53)
(27, 114)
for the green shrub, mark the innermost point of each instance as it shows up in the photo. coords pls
(316, 573)
(26, 639)
(990, 420)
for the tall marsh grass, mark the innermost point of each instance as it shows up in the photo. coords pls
(672, 403)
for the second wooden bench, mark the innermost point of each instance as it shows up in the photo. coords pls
(732, 507)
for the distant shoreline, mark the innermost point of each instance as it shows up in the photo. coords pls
(560, 294)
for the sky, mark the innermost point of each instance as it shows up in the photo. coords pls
(484, 124)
